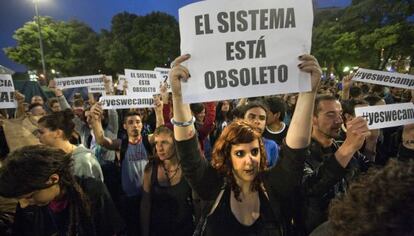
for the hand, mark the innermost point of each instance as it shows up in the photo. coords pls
(310, 64)
(125, 85)
(357, 131)
(91, 99)
(107, 84)
(177, 73)
(158, 103)
(55, 90)
(19, 97)
(163, 88)
(347, 81)
(106, 80)
(164, 92)
(96, 112)
(408, 136)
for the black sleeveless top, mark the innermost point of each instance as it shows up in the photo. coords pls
(223, 221)
(171, 207)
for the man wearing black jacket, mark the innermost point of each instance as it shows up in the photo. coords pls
(331, 166)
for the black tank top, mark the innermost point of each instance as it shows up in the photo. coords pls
(171, 207)
(223, 221)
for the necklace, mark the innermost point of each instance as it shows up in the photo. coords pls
(167, 172)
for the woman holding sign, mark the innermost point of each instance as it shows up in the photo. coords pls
(248, 198)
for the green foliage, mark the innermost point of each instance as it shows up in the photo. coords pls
(73, 48)
(139, 42)
(367, 33)
(69, 47)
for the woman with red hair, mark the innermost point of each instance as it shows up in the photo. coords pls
(248, 198)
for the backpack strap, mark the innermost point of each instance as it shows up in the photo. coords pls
(124, 146)
(215, 204)
(154, 173)
(201, 225)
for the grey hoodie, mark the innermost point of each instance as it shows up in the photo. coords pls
(86, 164)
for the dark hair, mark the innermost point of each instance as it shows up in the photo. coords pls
(197, 107)
(254, 104)
(378, 89)
(219, 114)
(52, 101)
(320, 99)
(78, 103)
(28, 169)
(77, 96)
(129, 114)
(355, 92)
(276, 105)
(237, 132)
(378, 203)
(33, 105)
(364, 88)
(348, 106)
(238, 112)
(372, 99)
(60, 120)
(34, 96)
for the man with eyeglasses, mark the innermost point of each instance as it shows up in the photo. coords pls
(331, 165)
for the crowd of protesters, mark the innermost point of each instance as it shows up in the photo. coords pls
(292, 164)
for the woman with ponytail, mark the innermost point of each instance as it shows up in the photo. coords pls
(52, 201)
(56, 130)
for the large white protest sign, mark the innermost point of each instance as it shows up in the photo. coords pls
(384, 116)
(101, 88)
(244, 48)
(79, 81)
(125, 101)
(164, 76)
(142, 83)
(7, 92)
(391, 79)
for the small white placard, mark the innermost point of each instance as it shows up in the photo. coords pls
(384, 116)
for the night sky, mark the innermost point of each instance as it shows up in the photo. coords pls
(95, 13)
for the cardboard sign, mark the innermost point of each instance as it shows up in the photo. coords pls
(101, 88)
(79, 81)
(125, 102)
(164, 76)
(20, 132)
(244, 48)
(7, 92)
(142, 83)
(384, 78)
(384, 116)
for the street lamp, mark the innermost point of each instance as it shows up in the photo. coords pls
(346, 69)
(40, 39)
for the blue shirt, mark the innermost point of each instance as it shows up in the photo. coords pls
(132, 169)
(272, 151)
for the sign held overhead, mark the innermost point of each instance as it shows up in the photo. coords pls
(243, 48)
